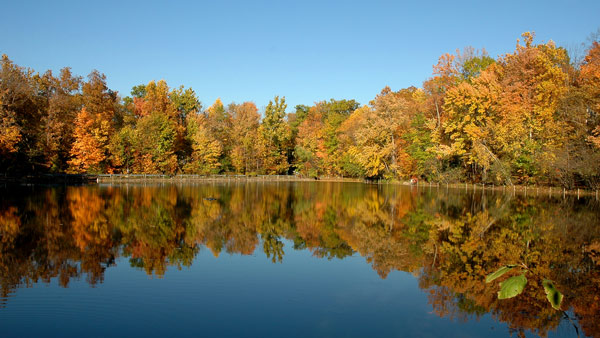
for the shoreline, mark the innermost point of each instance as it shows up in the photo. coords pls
(78, 179)
(217, 178)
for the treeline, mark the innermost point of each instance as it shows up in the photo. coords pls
(529, 117)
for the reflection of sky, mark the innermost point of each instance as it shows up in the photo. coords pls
(239, 296)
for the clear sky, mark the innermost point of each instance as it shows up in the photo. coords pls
(252, 50)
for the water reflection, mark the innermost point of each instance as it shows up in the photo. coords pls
(450, 239)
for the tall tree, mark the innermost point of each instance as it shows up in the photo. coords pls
(275, 137)
(372, 145)
(186, 102)
(590, 82)
(206, 149)
(156, 99)
(20, 113)
(155, 144)
(350, 131)
(95, 121)
(446, 75)
(244, 133)
(159, 134)
(388, 117)
(533, 84)
(218, 122)
(87, 151)
(63, 103)
(123, 149)
(10, 132)
(473, 115)
(419, 147)
(335, 113)
(310, 150)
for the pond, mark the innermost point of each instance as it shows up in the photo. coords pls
(293, 259)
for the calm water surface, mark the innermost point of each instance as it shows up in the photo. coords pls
(292, 260)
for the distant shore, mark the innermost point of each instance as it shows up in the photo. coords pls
(49, 179)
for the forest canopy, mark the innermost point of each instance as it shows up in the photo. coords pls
(529, 116)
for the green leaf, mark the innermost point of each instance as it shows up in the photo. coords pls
(498, 273)
(512, 287)
(554, 296)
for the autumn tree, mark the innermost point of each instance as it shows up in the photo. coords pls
(158, 132)
(206, 149)
(10, 132)
(377, 140)
(244, 133)
(590, 82)
(574, 161)
(317, 145)
(310, 150)
(88, 153)
(20, 114)
(156, 99)
(94, 126)
(446, 75)
(533, 83)
(473, 115)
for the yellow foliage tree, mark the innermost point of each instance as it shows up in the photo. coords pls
(473, 116)
(206, 150)
(10, 132)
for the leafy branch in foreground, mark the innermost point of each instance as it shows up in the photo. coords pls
(515, 285)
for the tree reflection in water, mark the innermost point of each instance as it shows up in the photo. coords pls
(450, 240)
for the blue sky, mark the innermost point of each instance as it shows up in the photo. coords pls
(250, 50)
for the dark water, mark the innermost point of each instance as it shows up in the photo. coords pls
(292, 260)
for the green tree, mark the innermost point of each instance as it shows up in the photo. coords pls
(275, 137)
(420, 144)
(155, 144)
(218, 122)
(186, 102)
(122, 149)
